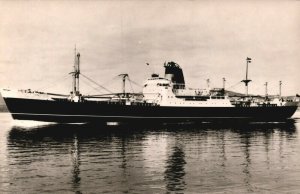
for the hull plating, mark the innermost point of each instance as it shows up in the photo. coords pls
(62, 111)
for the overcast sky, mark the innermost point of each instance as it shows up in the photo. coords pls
(208, 39)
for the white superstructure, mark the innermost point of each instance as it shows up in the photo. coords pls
(160, 91)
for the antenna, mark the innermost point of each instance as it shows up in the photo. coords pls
(208, 83)
(246, 81)
(280, 83)
(266, 90)
(224, 80)
(153, 68)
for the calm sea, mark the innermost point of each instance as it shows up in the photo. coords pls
(204, 158)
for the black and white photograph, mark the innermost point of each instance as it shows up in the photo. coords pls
(141, 96)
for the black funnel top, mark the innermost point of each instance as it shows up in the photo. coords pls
(174, 72)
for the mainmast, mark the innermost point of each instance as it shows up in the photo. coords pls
(224, 80)
(123, 82)
(266, 89)
(246, 81)
(208, 83)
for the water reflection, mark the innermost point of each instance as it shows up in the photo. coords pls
(76, 163)
(27, 145)
(245, 141)
(174, 173)
(134, 159)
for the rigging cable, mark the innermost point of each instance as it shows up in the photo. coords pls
(233, 85)
(96, 83)
(130, 84)
(135, 83)
(94, 88)
(54, 84)
(107, 82)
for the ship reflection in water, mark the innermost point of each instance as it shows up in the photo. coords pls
(239, 158)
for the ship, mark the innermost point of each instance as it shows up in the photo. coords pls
(163, 98)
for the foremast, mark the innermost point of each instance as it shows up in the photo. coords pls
(75, 93)
(246, 81)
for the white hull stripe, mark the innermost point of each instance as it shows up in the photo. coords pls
(115, 116)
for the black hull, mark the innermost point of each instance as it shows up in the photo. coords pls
(91, 111)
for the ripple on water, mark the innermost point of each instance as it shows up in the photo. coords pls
(239, 158)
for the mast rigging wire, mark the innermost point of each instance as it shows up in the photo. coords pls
(130, 84)
(88, 84)
(135, 83)
(96, 83)
(234, 85)
(106, 83)
(65, 77)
